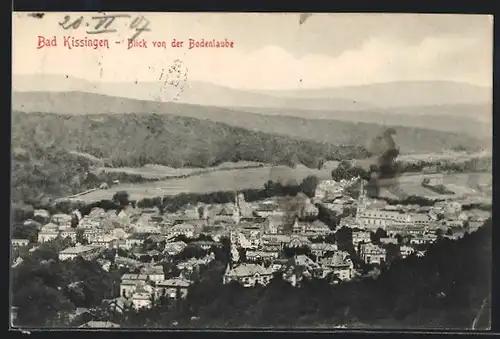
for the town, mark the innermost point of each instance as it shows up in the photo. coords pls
(161, 254)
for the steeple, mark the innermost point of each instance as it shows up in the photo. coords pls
(361, 198)
(362, 189)
(237, 208)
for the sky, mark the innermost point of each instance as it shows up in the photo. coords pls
(271, 51)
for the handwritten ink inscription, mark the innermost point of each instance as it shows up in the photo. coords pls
(111, 23)
(107, 24)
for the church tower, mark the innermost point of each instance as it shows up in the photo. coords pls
(237, 208)
(361, 199)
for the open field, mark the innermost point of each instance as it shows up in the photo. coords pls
(460, 183)
(151, 171)
(226, 179)
(414, 157)
(213, 181)
(450, 156)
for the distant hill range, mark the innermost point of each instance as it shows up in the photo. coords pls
(333, 132)
(427, 104)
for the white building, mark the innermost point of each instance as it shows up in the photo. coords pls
(68, 232)
(182, 229)
(360, 237)
(389, 241)
(88, 222)
(341, 265)
(48, 232)
(19, 242)
(42, 215)
(322, 249)
(406, 251)
(141, 300)
(62, 219)
(107, 241)
(130, 283)
(423, 239)
(92, 234)
(255, 256)
(317, 228)
(154, 273)
(372, 254)
(173, 288)
(135, 240)
(248, 275)
(173, 248)
(86, 252)
(326, 187)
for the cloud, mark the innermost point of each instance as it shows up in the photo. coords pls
(378, 60)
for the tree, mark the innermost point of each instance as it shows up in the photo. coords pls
(308, 185)
(327, 216)
(121, 197)
(343, 238)
(80, 238)
(25, 231)
(243, 254)
(379, 233)
(320, 163)
(74, 220)
(392, 252)
(22, 212)
(39, 305)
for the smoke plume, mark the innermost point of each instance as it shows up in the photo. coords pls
(384, 171)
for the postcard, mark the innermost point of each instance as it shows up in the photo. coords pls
(232, 171)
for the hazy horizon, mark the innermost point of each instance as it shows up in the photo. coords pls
(272, 51)
(69, 78)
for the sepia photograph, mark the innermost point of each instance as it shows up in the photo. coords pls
(251, 171)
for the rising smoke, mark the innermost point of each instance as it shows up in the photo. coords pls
(384, 171)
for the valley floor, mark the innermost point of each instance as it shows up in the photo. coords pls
(244, 178)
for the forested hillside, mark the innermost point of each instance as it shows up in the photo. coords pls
(39, 173)
(135, 140)
(332, 125)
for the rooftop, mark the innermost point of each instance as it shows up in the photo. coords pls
(99, 324)
(77, 249)
(139, 236)
(317, 224)
(323, 246)
(338, 259)
(182, 226)
(131, 276)
(303, 260)
(175, 282)
(246, 270)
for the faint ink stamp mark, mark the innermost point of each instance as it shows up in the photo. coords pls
(174, 78)
(36, 15)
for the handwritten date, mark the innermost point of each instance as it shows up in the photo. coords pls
(104, 24)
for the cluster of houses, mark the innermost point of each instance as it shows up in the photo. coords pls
(259, 233)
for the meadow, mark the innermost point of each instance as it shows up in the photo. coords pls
(460, 183)
(241, 178)
(210, 181)
(153, 171)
